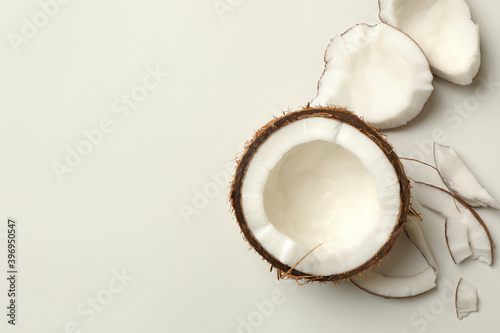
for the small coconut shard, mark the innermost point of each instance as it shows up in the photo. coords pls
(378, 72)
(460, 180)
(320, 195)
(416, 236)
(445, 32)
(456, 211)
(397, 287)
(465, 299)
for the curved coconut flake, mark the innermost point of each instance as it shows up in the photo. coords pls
(460, 180)
(416, 236)
(457, 240)
(415, 204)
(397, 286)
(456, 210)
(465, 299)
(378, 72)
(444, 30)
(320, 195)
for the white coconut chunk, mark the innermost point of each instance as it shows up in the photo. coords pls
(454, 211)
(318, 181)
(460, 180)
(457, 240)
(465, 298)
(444, 30)
(378, 72)
(397, 286)
(416, 236)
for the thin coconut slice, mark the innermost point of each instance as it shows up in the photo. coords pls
(465, 298)
(457, 211)
(320, 195)
(460, 180)
(444, 30)
(416, 236)
(378, 72)
(457, 240)
(415, 204)
(415, 233)
(397, 287)
(403, 286)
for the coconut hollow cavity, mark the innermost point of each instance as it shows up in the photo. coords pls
(320, 195)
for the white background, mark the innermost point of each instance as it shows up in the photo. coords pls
(119, 210)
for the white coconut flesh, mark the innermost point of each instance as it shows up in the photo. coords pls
(457, 239)
(403, 286)
(416, 236)
(378, 72)
(318, 181)
(415, 233)
(397, 286)
(465, 298)
(444, 30)
(471, 233)
(460, 180)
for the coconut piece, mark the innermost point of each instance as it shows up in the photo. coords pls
(415, 204)
(416, 236)
(320, 195)
(465, 299)
(460, 180)
(397, 286)
(444, 30)
(377, 71)
(457, 240)
(457, 211)
(403, 286)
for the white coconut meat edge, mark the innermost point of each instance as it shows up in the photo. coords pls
(397, 286)
(357, 204)
(378, 72)
(460, 180)
(445, 32)
(465, 298)
(451, 209)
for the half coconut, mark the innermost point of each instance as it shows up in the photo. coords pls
(320, 195)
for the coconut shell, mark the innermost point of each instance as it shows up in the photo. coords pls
(276, 124)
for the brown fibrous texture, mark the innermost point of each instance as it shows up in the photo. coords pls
(260, 137)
